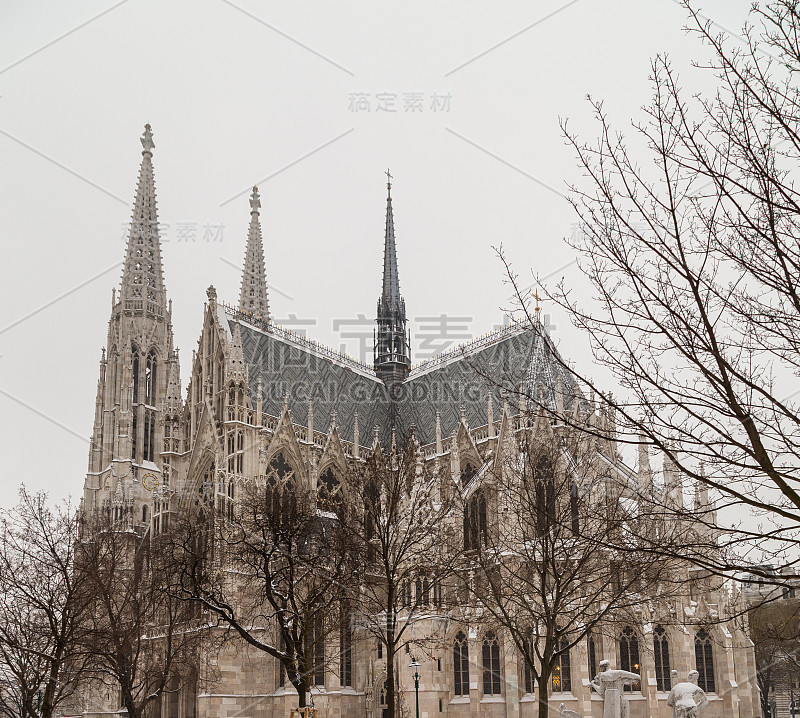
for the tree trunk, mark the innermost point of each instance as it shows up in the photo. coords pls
(390, 692)
(130, 706)
(300, 687)
(543, 694)
(46, 710)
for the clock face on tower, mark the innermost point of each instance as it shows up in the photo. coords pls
(149, 481)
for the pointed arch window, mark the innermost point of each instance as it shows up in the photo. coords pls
(661, 654)
(150, 379)
(372, 510)
(466, 475)
(226, 497)
(318, 650)
(134, 436)
(491, 664)
(475, 522)
(236, 452)
(383, 703)
(329, 491)
(562, 673)
(526, 667)
(629, 655)
(205, 489)
(280, 496)
(545, 492)
(135, 369)
(704, 657)
(460, 665)
(591, 649)
(149, 435)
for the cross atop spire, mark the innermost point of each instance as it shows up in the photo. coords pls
(389, 185)
(253, 296)
(142, 277)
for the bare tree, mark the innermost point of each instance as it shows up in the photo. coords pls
(141, 638)
(41, 607)
(274, 570)
(561, 560)
(694, 263)
(397, 514)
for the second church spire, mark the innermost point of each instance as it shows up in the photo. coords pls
(253, 297)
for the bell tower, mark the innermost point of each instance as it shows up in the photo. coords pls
(137, 364)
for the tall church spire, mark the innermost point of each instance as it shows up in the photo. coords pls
(391, 279)
(392, 353)
(253, 296)
(143, 277)
(139, 381)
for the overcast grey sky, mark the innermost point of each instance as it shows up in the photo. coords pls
(248, 92)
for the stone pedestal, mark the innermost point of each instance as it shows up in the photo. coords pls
(612, 703)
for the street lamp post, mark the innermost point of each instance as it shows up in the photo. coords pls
(415, 676)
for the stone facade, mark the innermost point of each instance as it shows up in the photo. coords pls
(257, 390)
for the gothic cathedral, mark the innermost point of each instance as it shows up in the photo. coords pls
(260, 395)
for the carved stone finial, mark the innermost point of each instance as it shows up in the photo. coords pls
(211, 293)
(147, 139)
(255, 201)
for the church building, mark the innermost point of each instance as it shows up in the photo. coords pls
(261, 398)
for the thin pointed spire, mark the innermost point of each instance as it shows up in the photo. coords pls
(143, 287)
(173, 403)
(645, 473)
(253, 296)
(701, 502)
(236, 368)
(391, 277)
(392, 351)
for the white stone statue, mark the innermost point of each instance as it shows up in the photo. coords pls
(564, 712)
(609, 684)
(686, 699)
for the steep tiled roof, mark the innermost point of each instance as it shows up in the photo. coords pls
(287, 366)
(499, 365)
